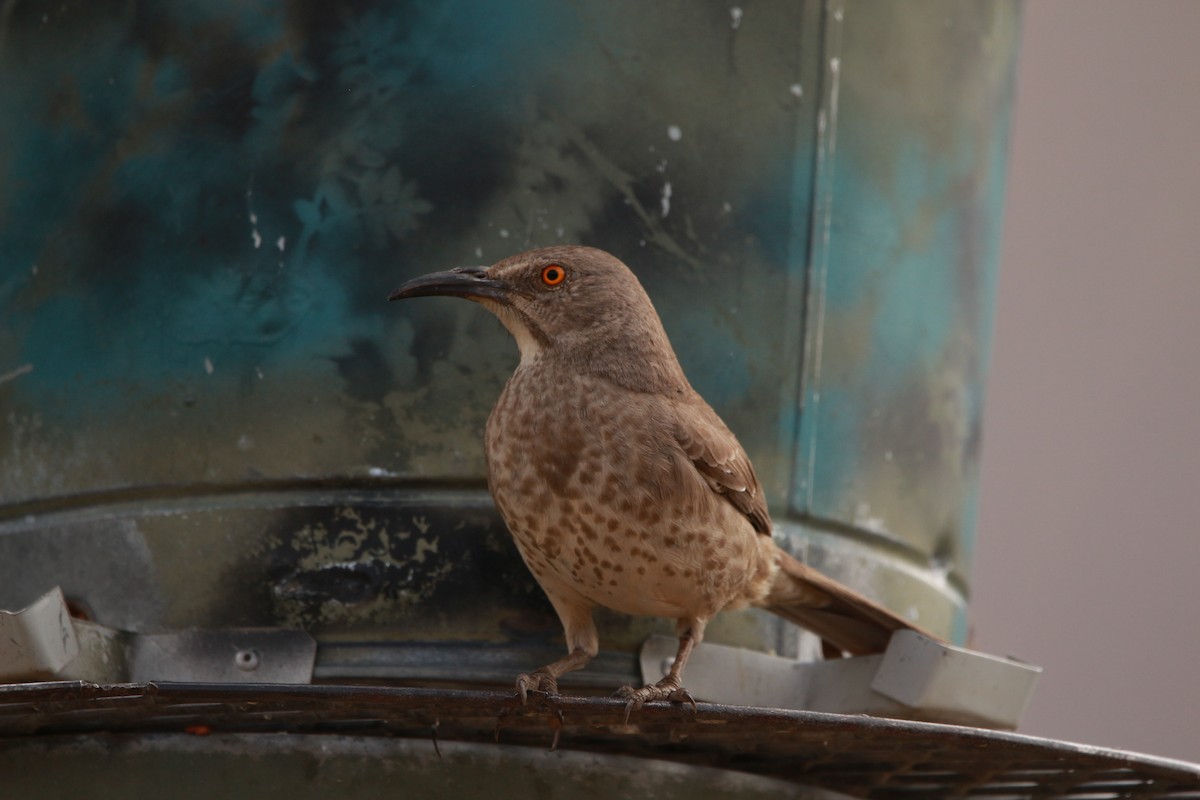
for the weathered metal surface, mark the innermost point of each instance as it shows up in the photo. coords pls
(243, 656)
(915, 678)
(855, 755)
(904, 253)
(235, 766)
(406, 585)
(953, 684)
(44, 642)
(37, 642)
(209, 417)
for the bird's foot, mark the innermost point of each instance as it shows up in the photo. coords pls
(544, 689)
(538, 682)
(666, 689)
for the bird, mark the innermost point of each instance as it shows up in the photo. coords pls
(621, 486)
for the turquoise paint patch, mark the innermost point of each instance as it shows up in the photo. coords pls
(908, 291)
(837, 449)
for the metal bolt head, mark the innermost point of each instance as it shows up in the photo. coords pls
(247, 660)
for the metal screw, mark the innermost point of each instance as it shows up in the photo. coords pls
(247, 660)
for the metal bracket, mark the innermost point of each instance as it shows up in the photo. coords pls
(44, 642)
(38, 641)
(915, 678)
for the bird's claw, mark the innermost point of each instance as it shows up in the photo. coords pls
(537, 682)
(544, 687)
(663, 690)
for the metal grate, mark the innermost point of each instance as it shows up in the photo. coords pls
(856, 755)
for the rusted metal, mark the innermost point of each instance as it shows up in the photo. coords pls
(856, 755)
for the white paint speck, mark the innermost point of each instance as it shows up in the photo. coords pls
(258, 371)
(281, 243)
(887, 455)
(208, 365)
(913, 613)
(12, 375)
(479, 252)
(245, 443)
(504, 233)
(377, 472)
(837, 15)
(560, 231)
(33, 270)
(674, 133)
(835, 64)
(666, 198)
(797, 90)
(662, 166)
(735, 17)
(255, 236)
(726, 207)
(864, 519)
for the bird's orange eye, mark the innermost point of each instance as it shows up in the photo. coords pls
(553, 274)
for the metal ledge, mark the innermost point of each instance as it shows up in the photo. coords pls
(856, 755)
(44, 642)
(915, 678)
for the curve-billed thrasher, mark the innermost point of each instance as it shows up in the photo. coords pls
(621, 486)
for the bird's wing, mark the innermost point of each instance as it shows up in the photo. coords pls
(716, 454)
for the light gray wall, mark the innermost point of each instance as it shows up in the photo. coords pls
(1089, 553)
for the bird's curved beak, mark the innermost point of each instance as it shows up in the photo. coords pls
(469, 282)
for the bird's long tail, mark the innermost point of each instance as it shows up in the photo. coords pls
(845, 620)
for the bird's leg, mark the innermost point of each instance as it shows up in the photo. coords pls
(671, 686)
(582, 642)
(545, 679)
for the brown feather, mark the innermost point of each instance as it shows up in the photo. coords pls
(719, 458)
(841, 616)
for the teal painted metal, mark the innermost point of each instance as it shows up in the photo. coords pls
(203, 208)
(902, 274)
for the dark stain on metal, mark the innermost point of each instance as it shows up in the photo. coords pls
(367, 374)
(431, 340)
(343, 583)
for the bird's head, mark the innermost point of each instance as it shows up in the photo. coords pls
(580, 303)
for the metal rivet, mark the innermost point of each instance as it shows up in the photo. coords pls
(247, 660)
